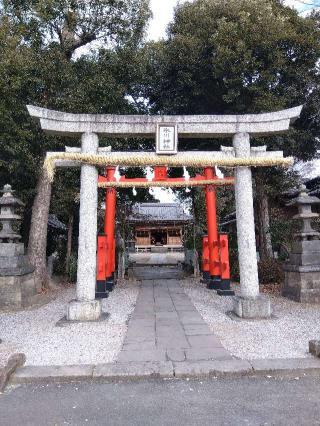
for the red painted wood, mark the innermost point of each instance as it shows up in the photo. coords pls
(224, 255)
(160, 174)
(114, 255)
(106, 253)
(211, 204)
(101, 257)
(110, 221)
(137, 180)
(205, 255)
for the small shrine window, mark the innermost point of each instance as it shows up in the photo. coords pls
(174, 233)
(142, 234)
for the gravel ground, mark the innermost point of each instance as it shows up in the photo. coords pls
(285, 336)
(6, 350)
(34, 332)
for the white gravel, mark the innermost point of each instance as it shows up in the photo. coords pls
(6, 350)
(34, 332)
(285, 336)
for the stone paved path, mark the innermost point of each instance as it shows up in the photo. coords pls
(165, 326)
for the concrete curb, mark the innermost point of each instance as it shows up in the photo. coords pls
(286, 367)
(167, 369)
(224, 368)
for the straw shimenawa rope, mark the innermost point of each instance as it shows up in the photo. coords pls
(165, 184)
(147, 159)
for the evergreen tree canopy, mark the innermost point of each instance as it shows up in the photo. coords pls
(238, 56)
(37, 41)
(75, 23)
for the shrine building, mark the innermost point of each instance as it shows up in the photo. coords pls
(158, 225)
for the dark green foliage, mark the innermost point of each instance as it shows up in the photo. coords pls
(239, 56)
(270, 271)
(38, 39)
(234, 57)
(72, 270)
(70, 24)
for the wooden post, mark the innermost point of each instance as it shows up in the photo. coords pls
(110, 213)
(225, 289)
(101, 291)
(69, 242)
(214, 258)
(205, 259)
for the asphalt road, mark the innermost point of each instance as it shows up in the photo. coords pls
(246, 401)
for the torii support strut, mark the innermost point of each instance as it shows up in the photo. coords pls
(219, 271)
(106, 242)
(110, 222)
(214, 258)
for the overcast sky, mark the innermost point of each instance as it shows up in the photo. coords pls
(163, 14)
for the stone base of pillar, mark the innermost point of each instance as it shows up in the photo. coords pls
(101, 290)
(214, 283)
(206, 275)
(248, 308)
(84, 310)
(110, 283)
(314, 347)
(225, 288)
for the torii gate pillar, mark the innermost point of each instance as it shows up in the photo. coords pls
(250, 304)
(85, 307)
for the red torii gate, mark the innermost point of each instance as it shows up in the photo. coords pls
(215, 257)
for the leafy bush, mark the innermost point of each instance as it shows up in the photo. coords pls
(270, 271)
(234, 265)
(282, 230)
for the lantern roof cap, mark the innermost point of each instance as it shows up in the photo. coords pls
(303, 198)
(8, 199)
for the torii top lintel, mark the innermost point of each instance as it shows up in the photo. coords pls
(189, 126)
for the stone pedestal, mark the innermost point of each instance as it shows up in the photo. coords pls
(17, 284)
(314, 347)
(17, 291)
(302, 271)
(302, 283)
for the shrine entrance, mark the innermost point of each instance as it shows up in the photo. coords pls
(159, 238)
(159, 224)
(215, 259)
(155, 224)
(166, 130)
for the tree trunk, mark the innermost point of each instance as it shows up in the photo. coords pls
(265, 249)
(69, 242)
(38, 231)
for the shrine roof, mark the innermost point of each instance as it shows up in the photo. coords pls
(158, 212)
(54, 222)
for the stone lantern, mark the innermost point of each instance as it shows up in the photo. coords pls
(17, 285)
(8, 204)
(302, 271)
